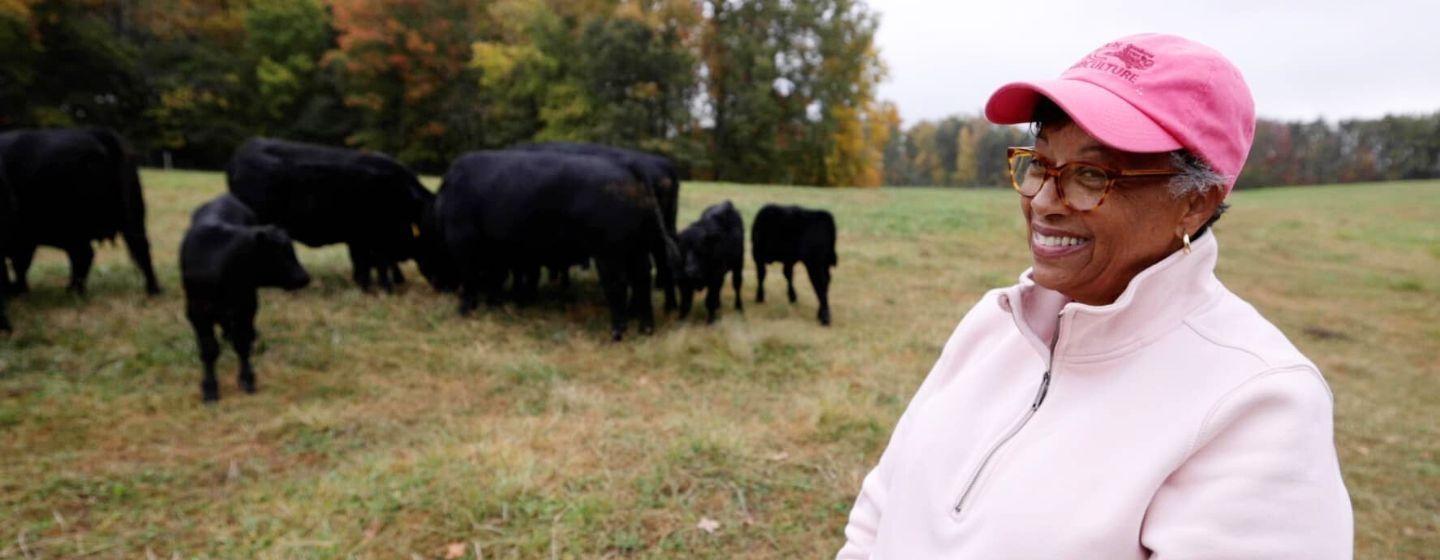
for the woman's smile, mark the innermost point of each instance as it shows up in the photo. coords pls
(1049, 243)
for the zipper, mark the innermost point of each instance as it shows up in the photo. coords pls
(1039, 399)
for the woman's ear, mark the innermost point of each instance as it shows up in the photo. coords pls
(1199, 207)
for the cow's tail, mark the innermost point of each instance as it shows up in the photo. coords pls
(126, 175)
(827, 222)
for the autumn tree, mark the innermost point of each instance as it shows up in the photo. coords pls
(404, 68)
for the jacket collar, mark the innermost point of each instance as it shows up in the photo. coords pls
(1156, 300)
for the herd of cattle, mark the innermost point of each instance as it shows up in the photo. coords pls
(499, 216)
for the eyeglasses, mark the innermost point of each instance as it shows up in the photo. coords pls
(1081, 186)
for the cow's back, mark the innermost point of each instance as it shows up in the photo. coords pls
(67, 185)
(322, 195)
(656, 172)
(536, 201)
(793, 233)
(818, 239)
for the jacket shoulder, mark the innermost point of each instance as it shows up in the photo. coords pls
(1246, 344)
(1234, 324)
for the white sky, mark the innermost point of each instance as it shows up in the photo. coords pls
(1302, 59)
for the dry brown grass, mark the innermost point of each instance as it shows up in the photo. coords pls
(388, 427)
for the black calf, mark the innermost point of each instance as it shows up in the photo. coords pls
(710, 247)
(790, 234)
(224, 258)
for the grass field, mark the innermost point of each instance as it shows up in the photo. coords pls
(387, 427)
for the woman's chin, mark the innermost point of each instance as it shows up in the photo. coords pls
(1054, 275)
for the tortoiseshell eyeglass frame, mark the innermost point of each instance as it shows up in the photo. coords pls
(1058, 173)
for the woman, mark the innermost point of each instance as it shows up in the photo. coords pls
(1118, 402)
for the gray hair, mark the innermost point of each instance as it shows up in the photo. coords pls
(1195, 176)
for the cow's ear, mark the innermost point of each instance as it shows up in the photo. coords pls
(271, 235)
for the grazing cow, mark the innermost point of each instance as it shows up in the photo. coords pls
(225, 257)
(322, 196)
(710, 247)
(656, 172)
(511, 211)
(790, 234)
(7, 227)
(72, 187)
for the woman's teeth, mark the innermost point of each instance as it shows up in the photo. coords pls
(1052, 241)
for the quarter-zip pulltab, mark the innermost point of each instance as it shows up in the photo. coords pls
(1039, 399)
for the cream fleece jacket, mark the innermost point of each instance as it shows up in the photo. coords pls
(1174, 423)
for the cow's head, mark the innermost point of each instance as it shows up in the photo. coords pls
(275, 260)
(696, 250)
(432, 256)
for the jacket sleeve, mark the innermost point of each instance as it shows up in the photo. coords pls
(1262, 479)
(865, 516)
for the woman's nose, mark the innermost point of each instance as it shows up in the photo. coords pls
(1047, 201)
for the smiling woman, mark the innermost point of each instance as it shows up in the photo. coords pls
(1119, 402)
(1091, 255)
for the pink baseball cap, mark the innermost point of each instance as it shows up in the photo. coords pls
(1148, 93)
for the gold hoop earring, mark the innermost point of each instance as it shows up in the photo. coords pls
(1186, 239)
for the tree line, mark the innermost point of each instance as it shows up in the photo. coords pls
(744, 90)
(968, 151)
(779, 91)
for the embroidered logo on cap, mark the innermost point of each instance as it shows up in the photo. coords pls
(1132, 59)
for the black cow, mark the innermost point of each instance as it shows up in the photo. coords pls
(504, 211)
(73, 187)
(322, 195)
(225, 256)
(656, 172)
(710, 247)
(790, 234)
(7, 228)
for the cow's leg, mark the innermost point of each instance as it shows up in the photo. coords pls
(471, 286)
(204, 325)
(638, 275)
(687, 298)
(20, 260)
(4, 317)
(759, 281)
(737, 277)
(712, 295)
(492, 281)
(469, 293)
(240, 329)
(382, 273)
(360, 266)
(789, 269)
(612, 282)
(138, 246)
(665, 278)
(527, 283)
(819, 273)
(82, 255)
(4, 289)
(5, 286)
(396, 277)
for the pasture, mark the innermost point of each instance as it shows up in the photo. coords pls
(388, 427)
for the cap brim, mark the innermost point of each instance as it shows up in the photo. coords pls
(1104, 115)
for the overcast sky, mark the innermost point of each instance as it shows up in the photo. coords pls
(1302, 59)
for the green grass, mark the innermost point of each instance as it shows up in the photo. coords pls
(388, 427)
